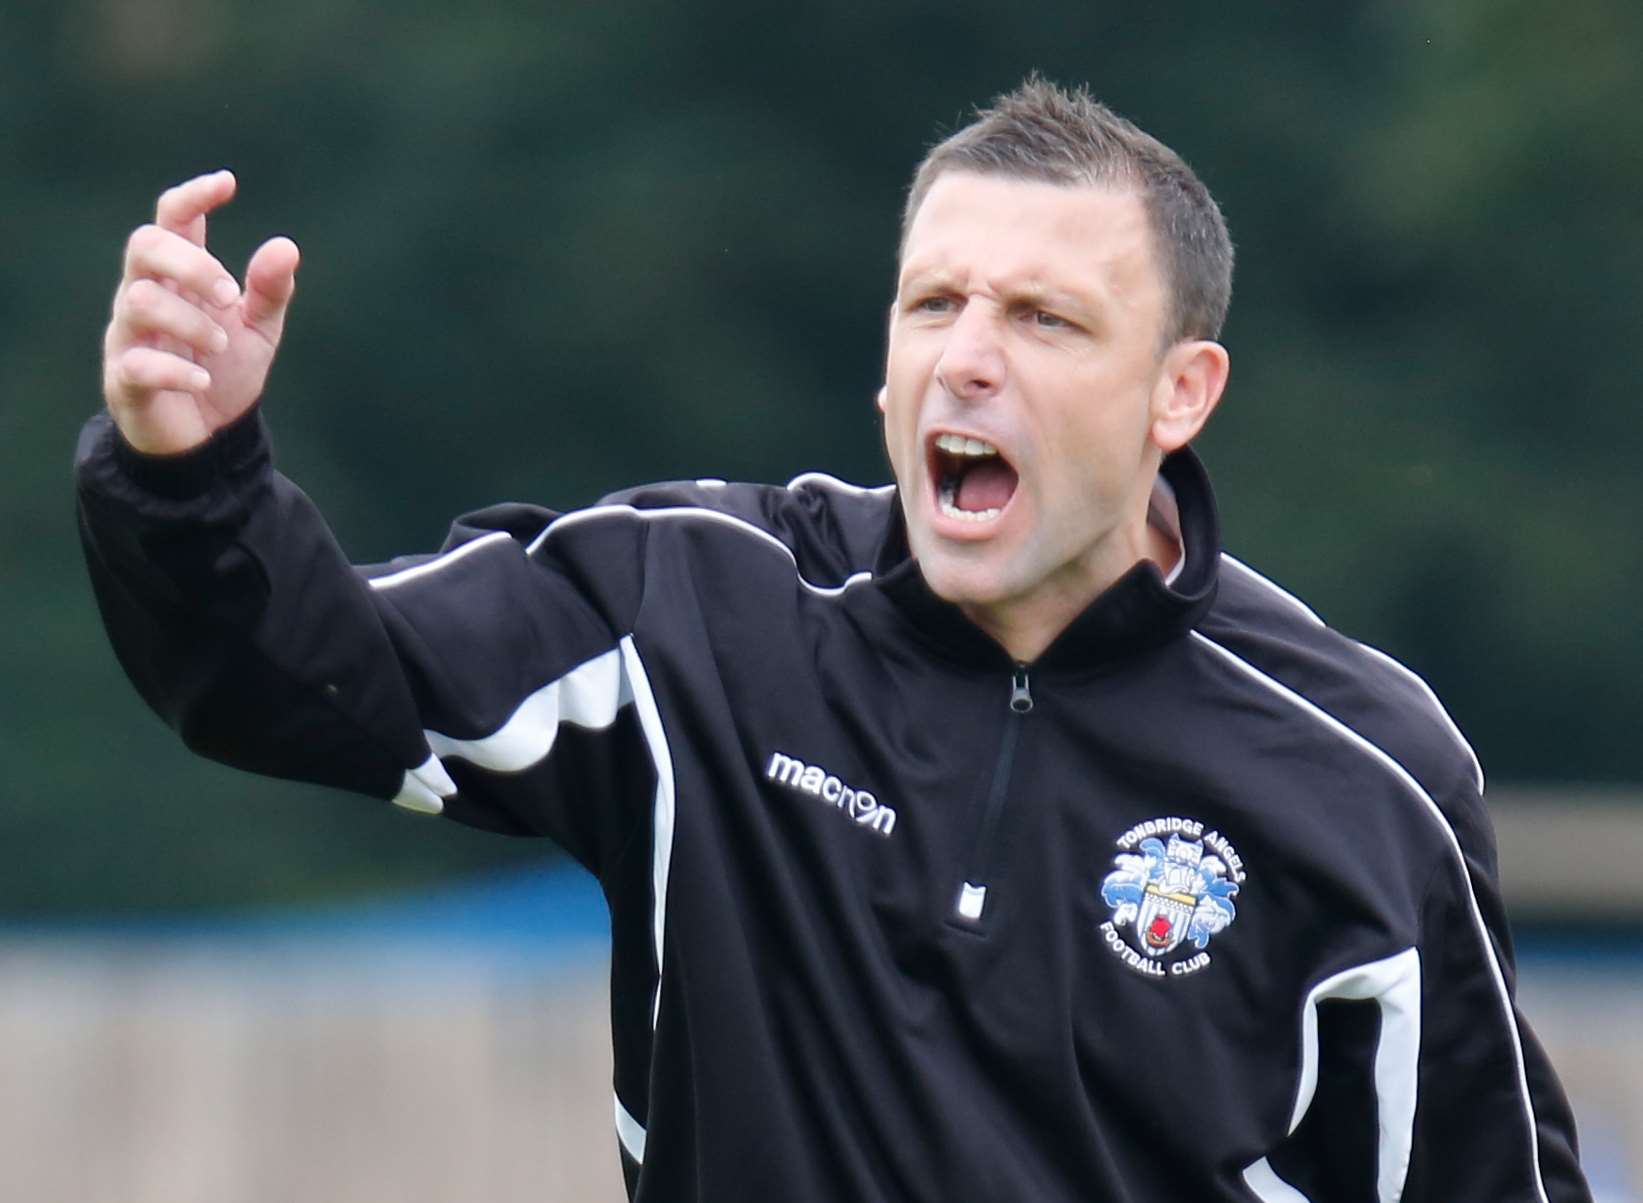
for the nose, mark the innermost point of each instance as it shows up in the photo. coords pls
(972, 360)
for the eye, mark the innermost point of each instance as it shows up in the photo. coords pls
(1030, 311)
(935, 303)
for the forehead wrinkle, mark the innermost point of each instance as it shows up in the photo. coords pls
(1113, 272)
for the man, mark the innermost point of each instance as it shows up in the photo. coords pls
(989, 836)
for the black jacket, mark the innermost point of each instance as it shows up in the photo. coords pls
(1200, 903)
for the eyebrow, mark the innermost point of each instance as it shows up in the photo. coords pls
(924, 277)
(1035, 293)
(1052, 298)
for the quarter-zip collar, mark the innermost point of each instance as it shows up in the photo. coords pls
(1136, 613)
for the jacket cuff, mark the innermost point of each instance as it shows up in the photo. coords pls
(191, 473)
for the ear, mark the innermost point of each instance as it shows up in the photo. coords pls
(1190, 383)
(883, 398)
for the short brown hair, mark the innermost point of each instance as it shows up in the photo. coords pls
(1043, 132)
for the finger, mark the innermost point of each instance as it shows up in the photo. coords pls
(155, 253)
(141, 371)
(182, 209)
(152, 313)
(270, 281)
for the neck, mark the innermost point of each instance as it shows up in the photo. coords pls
(1026, 626)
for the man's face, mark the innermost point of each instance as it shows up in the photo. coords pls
(1027, 319)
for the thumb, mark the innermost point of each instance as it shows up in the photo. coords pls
(270, 279)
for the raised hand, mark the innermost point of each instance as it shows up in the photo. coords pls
(186, 352)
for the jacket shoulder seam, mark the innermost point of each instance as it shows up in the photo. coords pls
(1444, 720)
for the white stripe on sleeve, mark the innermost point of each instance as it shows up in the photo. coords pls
(588, 696)
(630, 1132)
(1263, 1180)
(1481, 929)
(425, 788)
(1394, 984)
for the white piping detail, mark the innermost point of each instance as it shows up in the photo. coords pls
(1283, 594)
(1268, 1187)
(650, 722)
(437, 563)
(705, 515)
(425, 788)
(1401, 668)
(827, 481)
(676, 511)
(1414, 787)
(588, 696)
(1448, 721)
(630, 1132)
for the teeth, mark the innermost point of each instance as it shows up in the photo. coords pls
(947, 496)
(952, 511)
(957, 444)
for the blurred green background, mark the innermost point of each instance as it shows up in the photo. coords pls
(551, 250)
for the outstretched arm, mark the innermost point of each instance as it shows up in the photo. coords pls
(238, 618)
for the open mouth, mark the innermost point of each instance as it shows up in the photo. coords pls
(973, 482)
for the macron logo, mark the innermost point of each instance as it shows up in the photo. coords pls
(816, 781)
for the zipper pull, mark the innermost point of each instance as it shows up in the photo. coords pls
(1021, 697)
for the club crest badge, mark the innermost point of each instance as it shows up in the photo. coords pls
(1170, 891)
